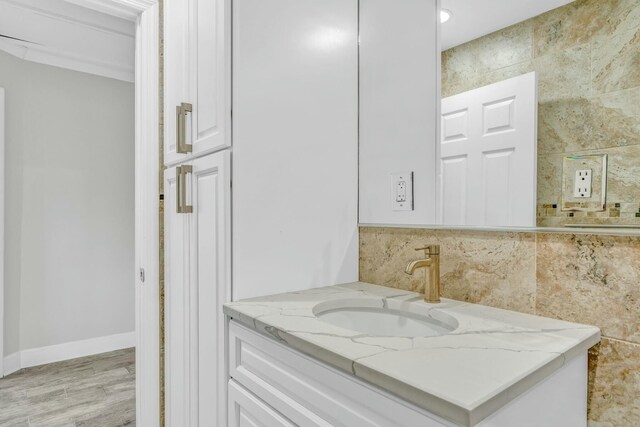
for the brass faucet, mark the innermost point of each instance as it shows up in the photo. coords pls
(432, 273)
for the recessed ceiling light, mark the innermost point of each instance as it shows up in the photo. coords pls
(445, 15)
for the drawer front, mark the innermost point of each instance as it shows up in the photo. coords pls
(310, 393)
(247, 410)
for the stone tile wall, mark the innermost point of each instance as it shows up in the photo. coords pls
(581, 278)
(587, 57)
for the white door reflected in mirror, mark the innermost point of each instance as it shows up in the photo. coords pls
(488, 155)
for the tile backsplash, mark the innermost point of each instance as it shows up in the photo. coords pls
(581, 278)
(587, 57)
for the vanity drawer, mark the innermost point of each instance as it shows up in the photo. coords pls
(310, 393)
(246, 409)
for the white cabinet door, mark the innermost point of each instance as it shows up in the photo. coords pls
(196, 285)
(176, 299)
(198, 73)
(210, 264)
(488, 155)
(295, 144)
(177, 53)
(210, 74)
(399, 97)
(246, 410)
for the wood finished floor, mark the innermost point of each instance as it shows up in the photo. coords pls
(95, 391)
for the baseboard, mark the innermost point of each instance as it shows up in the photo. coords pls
(71, 350)
(12, 363)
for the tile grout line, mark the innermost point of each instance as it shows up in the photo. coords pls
(621, 340)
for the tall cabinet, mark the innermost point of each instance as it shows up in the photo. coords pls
(294, 172)
(197, 190)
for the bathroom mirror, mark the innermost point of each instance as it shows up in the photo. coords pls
(538, 123)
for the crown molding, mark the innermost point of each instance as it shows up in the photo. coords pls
(61, 59)
(105, 32)
(125, 9)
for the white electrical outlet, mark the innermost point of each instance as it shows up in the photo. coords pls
(402, 191)
(582, 184)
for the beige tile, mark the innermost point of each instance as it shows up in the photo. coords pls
(616, 61)
(549, 179)
(585, 123)
(495, 269)
(562, 75)
(590, 279)
(614, 384)
(503, 48)
(580, 21)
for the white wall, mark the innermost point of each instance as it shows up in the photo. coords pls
(69, 220)
(295, 145)
(399, 104)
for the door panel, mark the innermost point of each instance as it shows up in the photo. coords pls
(399, 103)
(246, 410)
(197, 71)
(488, 155)
(197, 283)
(295, 115)
(177, 54)
(210, 265)
(211, 76)
(177, 296)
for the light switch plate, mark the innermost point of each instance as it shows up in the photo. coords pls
(402, 191)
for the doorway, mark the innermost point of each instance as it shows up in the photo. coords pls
(40, 338)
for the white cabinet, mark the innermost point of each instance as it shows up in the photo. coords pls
(247, 410)
(197, 78)
(399, 104)
(310, 393)
(295, 144)
(197, 241)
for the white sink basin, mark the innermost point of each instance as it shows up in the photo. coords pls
(388, 322)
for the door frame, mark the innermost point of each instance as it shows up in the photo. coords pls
(2, 184)
(146, 16)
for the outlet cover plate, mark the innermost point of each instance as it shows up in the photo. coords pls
(402, 191)
(584, 201)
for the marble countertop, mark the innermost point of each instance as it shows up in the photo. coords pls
(491, 357)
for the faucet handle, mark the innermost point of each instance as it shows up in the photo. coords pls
(430, 249)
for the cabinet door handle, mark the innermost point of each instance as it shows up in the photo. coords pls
(181, 128)
(181, 189)
(178, 189)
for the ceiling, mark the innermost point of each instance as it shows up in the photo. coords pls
(66, 35)
(471, 19)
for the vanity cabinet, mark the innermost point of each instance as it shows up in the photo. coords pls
(270, 380)
(197, 242)
(197, 78)
(309, 393)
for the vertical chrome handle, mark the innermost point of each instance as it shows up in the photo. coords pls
(178, 188)
(185, 207)
(178, 129)
(181, 189)
(181, 128)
